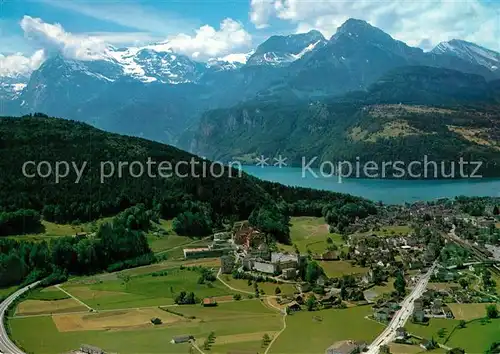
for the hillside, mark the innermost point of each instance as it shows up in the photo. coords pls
(52, 140)
(409, 113)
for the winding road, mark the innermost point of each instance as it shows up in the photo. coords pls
(270, 304)
(6, 345)
(399, 320)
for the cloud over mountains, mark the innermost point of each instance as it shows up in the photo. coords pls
(206, 42)
(419, 23)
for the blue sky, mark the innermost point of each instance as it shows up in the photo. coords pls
(120, 20)
(216, 28)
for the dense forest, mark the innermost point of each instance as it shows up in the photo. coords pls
(52, 140)
(116, 245)
(232, 195)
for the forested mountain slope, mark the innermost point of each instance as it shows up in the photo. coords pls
(409, 113)
(56, 140)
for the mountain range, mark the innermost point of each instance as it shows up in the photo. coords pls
(155, 93)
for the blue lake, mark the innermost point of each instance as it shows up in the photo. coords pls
(388, 191)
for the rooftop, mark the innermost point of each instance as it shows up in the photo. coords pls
(201, 249)
(345, 346)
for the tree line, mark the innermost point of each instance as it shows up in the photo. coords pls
(116, 245)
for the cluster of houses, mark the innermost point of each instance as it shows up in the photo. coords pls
(238, 248)
(399, 251)
(272, 263)
(430, 304)
(385, 311)
(295, 303)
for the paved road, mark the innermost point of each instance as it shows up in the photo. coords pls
(400, 318)
(6, 345)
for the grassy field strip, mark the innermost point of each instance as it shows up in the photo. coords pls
(49, 314)
(74, 298)
(196, 347)
(269, 303)
(183, 245)
(106, 310)
(282, 330)
(229, 286)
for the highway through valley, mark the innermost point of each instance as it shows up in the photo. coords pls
(6, 345)
(400, 318)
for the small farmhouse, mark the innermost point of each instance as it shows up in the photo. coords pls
(345, 347)
(89, 349)
(182, 339)
(209, 302)
(293, 307)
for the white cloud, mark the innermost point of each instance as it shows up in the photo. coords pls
(126, 38)
(262, 10)
(53, 38)
(424, 23)
(209, 42)
(130, 15)
(18, 64)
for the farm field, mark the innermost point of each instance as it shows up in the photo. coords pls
(171, 240)
(430, 331)
(317, 335)
(310, 233)
(142, 290)
(483, 334)
(4, 292)
(413, 349)
(51, 230)
(404, 348)
(334, 269)
(269, 288)
(38, 307)
(468, 312)
(113, 320)
(377, 291)
(177, 253)
(237, 325)
(165, 242)
(48, 294)
(171, 264)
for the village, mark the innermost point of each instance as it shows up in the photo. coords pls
(411, 279)
(394, 256)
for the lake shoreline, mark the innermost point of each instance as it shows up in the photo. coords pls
(389, 191)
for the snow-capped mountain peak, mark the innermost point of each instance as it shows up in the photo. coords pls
(229, 62)
(12, 87)
(156, 63)
(282, 50)
(470, 52)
